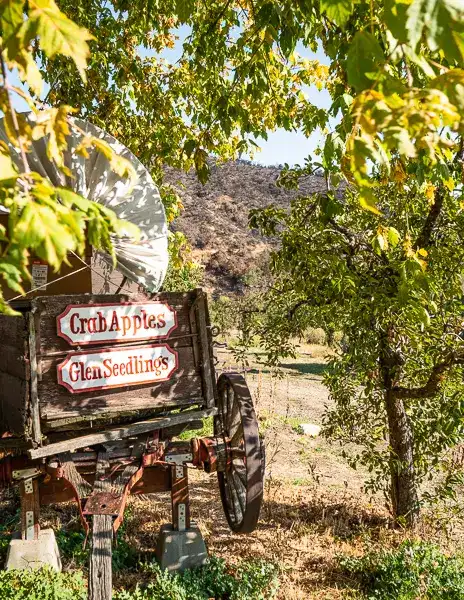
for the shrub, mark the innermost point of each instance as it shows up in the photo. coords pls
(256, 580)
(315, 335)
(223, 312)
(41, 584)
(414, 571)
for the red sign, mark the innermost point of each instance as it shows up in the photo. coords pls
(83, 324)
(117, 367)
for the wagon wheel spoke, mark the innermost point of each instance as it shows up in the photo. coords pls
(241, 482)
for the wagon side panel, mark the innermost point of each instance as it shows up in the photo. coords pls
(58, 405)
(14, 376)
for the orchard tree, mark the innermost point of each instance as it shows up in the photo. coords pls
(395, 74)
(394, 286)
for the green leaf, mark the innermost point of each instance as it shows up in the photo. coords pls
(39, 229)
(395, 19)
(189, 147)
(11, 17)
(7, 167)
(393, 237)
(441, 20)
(12, 275)
(28, 71)
(452, 84)
(57, 34)
(364, 57)
(338, 11)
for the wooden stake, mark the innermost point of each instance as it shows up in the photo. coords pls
(100, 574)
(30, 507)
(180, 498)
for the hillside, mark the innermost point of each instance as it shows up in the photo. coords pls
(215, 219)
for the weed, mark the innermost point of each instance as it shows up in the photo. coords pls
(6, 530)
(414, 571)
(73, 553)
(205, 431)
(255, 580)
(41, 584)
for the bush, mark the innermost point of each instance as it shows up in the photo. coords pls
(414, 571)
(315, 335)
(73, 553)
(255, 580)
(41, 584)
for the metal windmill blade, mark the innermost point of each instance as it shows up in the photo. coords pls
(142, 261)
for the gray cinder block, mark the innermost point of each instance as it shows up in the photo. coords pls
(33, 554)
(179, 550)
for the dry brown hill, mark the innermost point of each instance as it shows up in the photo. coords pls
(215, 218)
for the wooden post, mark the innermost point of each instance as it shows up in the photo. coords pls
(35, 413)
(100, 574)
(180, 498)
(30, 507)
(207, 369)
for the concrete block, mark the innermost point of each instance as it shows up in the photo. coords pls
(179, 550)
(33, 554)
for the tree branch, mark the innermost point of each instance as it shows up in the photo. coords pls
(435, 379)
(425, 236)
(14, 117)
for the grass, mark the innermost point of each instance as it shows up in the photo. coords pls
(205, 431)
(416, 570)
(310, 368)
(255, 580)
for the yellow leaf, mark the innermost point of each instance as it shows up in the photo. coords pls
(368, 201)
(58, 34)
(430, 193)
(28, 71)
(423, 252)
(7, 168)
(53, 123)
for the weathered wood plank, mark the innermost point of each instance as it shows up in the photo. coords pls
(57, 403)
(100, 572)
(99, 421)
(50, 307)
(14, 375)
(13, 331)
(14, 394)
(207, 368)
(13, 360)
(30, 508)
(33, 397)
(120, 433)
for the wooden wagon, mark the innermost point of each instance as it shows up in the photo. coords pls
(94, 390)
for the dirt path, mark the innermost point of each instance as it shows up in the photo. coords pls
(283, 404)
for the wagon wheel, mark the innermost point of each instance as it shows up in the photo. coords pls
(241, 481)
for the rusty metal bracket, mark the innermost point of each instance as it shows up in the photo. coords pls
(103, 503)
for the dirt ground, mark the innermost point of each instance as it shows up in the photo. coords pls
(314, 508)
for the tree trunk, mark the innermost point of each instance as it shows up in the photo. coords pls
(404, 494)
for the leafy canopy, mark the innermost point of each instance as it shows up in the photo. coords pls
(47, 221)
(395, 72)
